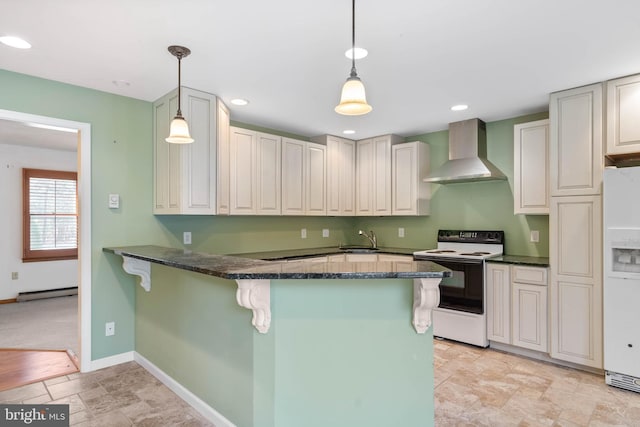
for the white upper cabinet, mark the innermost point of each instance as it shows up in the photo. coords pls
(224, 138)
(303, 178)
(531, 168)
(242, 167)
(576, 155)
(373, 175)
(185, 177)
(341, 175)
(268, 174)
(623, 113)
(410, 195)
(254, 173)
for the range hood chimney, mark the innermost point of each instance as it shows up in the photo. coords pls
(467, 156)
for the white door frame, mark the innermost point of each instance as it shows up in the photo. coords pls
(84, 197)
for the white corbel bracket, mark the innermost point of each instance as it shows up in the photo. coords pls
(138, 267)
(256, 296)
(426, 296)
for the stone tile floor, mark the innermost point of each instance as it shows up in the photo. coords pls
(474, 387)
(122, 395)
(484, 387)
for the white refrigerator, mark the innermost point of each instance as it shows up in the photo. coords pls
(621, 281)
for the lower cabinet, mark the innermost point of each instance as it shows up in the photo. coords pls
(517, 306)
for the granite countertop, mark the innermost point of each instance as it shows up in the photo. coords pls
(310, 252)
(521, 260)
(243, 267)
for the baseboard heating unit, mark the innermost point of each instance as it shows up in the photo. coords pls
(622, 381)
(49, 293)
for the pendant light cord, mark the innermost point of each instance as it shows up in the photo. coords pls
(353, 39)
(179, 80)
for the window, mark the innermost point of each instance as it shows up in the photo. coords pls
(50, 215)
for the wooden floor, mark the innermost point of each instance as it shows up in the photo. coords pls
(20, 367)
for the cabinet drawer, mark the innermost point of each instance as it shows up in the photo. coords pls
(532, 275)
(394, 258)
(361, 257)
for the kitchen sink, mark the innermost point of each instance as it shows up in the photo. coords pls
(358, 249)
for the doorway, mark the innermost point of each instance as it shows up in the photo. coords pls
(84, 224)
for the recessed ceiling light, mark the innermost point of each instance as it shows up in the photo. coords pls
(459, 107)
(239, 101)
(360, 53)
(16, 42)
(348, 132)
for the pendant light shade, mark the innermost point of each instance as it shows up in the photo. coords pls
(353, 100)
(179, 129)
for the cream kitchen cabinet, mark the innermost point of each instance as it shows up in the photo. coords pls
(517, 305)
(531, 168)
(498, 307)
(529, 314)
(410, 195)
(623, 110)
(341, 175)
(223, 170)
(185, 176)
(575, 254)
(303, 178)
(576, 155)
(373, 175)
(255, 173)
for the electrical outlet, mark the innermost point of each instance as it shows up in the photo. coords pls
(303, 233)
(109, 329)
(14, 275)
(325, 232)
(534, 236)
(186, 237)
(400, 231)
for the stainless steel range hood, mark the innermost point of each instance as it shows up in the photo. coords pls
(467, 156)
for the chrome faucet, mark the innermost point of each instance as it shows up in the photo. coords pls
(372, 238)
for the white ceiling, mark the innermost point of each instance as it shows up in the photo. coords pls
(21, 133)
(502, 57)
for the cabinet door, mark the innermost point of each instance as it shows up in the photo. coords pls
(498, 302)
(293, 156)
(315, 179)
(243, 169)
(531, 168)
(161, 120)
(347, 177)
(623, 110)
(529, 316)
(224, 140)
(382, 176)
(364, 177)
(575, 248)
(409, 164)
(198, 177)
(576, 156)
(268, 158)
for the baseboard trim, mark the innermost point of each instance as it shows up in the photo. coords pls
(116, 359)
(198, 404)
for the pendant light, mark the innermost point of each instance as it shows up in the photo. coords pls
(353, 101)
(179, 129)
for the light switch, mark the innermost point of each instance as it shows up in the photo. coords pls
(114, 201)
(534, 236)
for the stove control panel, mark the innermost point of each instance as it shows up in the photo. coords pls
(471, 236)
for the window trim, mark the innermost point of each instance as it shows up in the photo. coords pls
(50, 254)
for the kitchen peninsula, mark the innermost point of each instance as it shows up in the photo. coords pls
(333, 342)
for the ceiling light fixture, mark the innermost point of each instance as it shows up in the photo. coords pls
(356, 53)
(16, 42)
(239, 101)
(179, 129)
(459, 107)
(348, 132)
(51, 127)
(353, 101)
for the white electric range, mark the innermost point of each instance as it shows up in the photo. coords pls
(461, 314)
